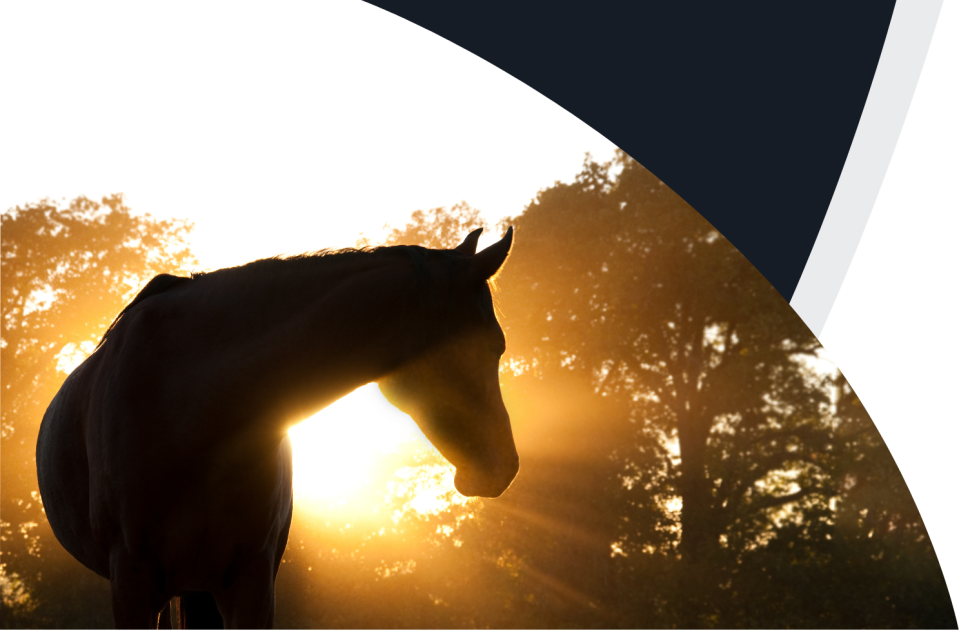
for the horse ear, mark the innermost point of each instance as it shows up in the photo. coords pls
(468, 246)
(488, 261)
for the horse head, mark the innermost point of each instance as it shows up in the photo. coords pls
(452, 388)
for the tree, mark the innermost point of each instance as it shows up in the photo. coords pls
(621, 279)
(880, 539)
(66, 272)
(739, 438)
(437, 228)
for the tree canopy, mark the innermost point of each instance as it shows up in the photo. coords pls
(634, 288)
(437, 228)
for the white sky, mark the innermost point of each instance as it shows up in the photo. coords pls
(276, 128)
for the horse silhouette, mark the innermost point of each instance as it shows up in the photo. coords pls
(164, 462)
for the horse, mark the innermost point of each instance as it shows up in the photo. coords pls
(163, 461)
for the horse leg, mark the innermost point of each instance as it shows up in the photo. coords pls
(249, 602)
(166, 618)
(198, 610)
(136, 602)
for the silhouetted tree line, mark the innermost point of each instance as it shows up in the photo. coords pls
(689, 457)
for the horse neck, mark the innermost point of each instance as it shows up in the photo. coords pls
(321, 332)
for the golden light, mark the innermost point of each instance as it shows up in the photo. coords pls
(356, 455)
(425, 489)
(335, 450)
(72, 355)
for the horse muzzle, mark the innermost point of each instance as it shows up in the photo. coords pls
(489, 483)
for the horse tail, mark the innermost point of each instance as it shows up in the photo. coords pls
(198, 610)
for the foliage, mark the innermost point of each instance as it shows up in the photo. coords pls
(437, 228)
(619, 279)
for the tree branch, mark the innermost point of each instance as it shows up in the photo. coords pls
(767, 502)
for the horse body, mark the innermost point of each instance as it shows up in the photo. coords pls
(164, 462)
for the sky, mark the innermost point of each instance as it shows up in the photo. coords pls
(279, 128)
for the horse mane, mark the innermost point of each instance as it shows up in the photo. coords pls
(418, 255)
(331, 257)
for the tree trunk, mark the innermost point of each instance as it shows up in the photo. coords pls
(699, 538)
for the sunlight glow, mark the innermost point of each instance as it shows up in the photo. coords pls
(335, 451)
(425, 489)
(72, 355)
(361, 459)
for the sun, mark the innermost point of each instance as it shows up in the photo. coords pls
(338, 451)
